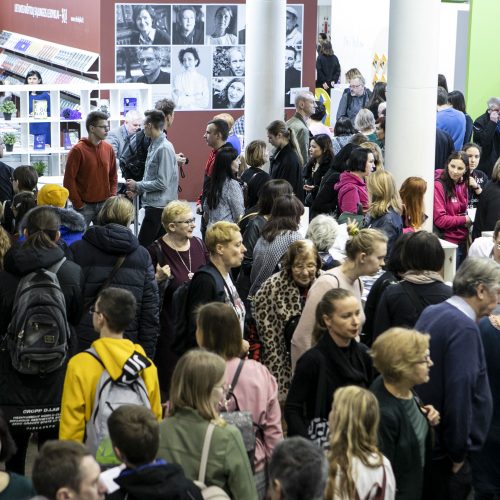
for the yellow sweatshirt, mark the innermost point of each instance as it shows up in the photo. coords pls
(81, 379)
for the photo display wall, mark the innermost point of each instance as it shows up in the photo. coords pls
(195, 54)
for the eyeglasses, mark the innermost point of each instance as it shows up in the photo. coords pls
(146, 60)
(189, 221)
(301, 267)
(104, 127)
(355, 86)
(426, 360)
(93, 310)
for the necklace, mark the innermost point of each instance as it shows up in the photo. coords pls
(188, 269)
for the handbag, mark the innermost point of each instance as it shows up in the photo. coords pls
(379, 492)
(208, 492)
(241, 419)
(318, 430)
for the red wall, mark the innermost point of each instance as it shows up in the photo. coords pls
(83, 35)
(189, 126)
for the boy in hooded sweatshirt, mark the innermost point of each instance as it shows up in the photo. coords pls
(112, 313)
(135, 435)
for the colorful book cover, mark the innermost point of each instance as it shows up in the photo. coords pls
(40, 108)
(39, 141)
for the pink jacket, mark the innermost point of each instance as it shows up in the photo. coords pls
(257, 392)
(449, 213)
(351, 191)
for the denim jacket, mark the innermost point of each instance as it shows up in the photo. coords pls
(161, 177)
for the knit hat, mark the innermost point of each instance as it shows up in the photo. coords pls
(53, 194)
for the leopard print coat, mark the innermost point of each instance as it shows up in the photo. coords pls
(274, 304)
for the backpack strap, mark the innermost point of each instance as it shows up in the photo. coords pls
(414, 297)
(204, 453)
(54, 268)
(217, 276)
(230, 393)
(94, 354)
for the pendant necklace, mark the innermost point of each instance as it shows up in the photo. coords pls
(188, 269)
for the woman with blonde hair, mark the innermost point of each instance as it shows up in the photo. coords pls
(384, 211)
(253, 388)
(176, 256)
(198, 386)
(357, 469)
(256, 156)
(110, 255)
(365, 254)
(336, 360)
(403, 359)
(412, 193)
(286, 160)
(378, 155)
(4, 245)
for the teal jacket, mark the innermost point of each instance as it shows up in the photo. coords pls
(181, 442)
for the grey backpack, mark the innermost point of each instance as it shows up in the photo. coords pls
(110, 394)
(38, 333)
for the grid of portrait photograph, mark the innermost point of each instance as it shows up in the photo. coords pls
(195, 53)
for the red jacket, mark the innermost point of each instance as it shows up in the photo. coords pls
(450, 213)
(90, 174)
(352, 191)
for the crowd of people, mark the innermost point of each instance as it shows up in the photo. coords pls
(256, 359)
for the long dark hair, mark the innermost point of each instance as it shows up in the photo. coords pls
(270, 191)
(378, 94)
(221, 172)
(447, 181)
(325, 143)
(42, 224)
(285, 216)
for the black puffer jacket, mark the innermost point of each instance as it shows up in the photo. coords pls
(97, 253)
(28, 390)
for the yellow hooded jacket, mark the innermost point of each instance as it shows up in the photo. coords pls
(81, 380)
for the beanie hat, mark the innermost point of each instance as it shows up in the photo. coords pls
(53, 194)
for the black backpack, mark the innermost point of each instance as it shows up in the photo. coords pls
(182, 309)
(38, 333)
(133, 157)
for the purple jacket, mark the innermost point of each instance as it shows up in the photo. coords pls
(450, 213)
(351, 192)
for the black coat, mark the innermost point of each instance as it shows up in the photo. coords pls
(254, 178)
(311, 391)
(488, 209)
(326, 200)
(488, 137)
(316, 178)
(97, 253)
(285, 164)
(29, 390)
(397, 308)
(158, 481)
(327, 70)
(398, 442)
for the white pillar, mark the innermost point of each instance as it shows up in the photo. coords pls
(411, 93)
(264, 66)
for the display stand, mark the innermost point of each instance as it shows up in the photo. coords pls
(88, 98)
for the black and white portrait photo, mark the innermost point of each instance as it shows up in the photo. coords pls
(294, 30)
(228, 93)
(191, 67)
(229, 61)
(293, 73)
(143, 24)
(188, 25)
(222, 23)
(143, 65)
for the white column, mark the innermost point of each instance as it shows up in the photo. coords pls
(411, 92)
(264, 66)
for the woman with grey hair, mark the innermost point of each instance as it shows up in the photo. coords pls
(322, 231)
(365, 124)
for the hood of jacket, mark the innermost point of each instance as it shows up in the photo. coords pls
(348, 178)
(115, 355)
(21, 260)
(156, 481)
(70, 219)
(112, 238)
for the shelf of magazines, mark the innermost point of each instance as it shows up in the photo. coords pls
(53, 53)
(66, 131)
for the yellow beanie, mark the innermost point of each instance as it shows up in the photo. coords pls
(53, 194)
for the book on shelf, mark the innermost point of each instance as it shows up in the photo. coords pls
(40, 107)
(39, 141)
(129, 104)
(71, 137)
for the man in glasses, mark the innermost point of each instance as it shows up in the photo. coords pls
(90, 175)
(150, 61)
(356, 97)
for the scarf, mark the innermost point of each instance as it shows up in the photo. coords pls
(422, 277)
